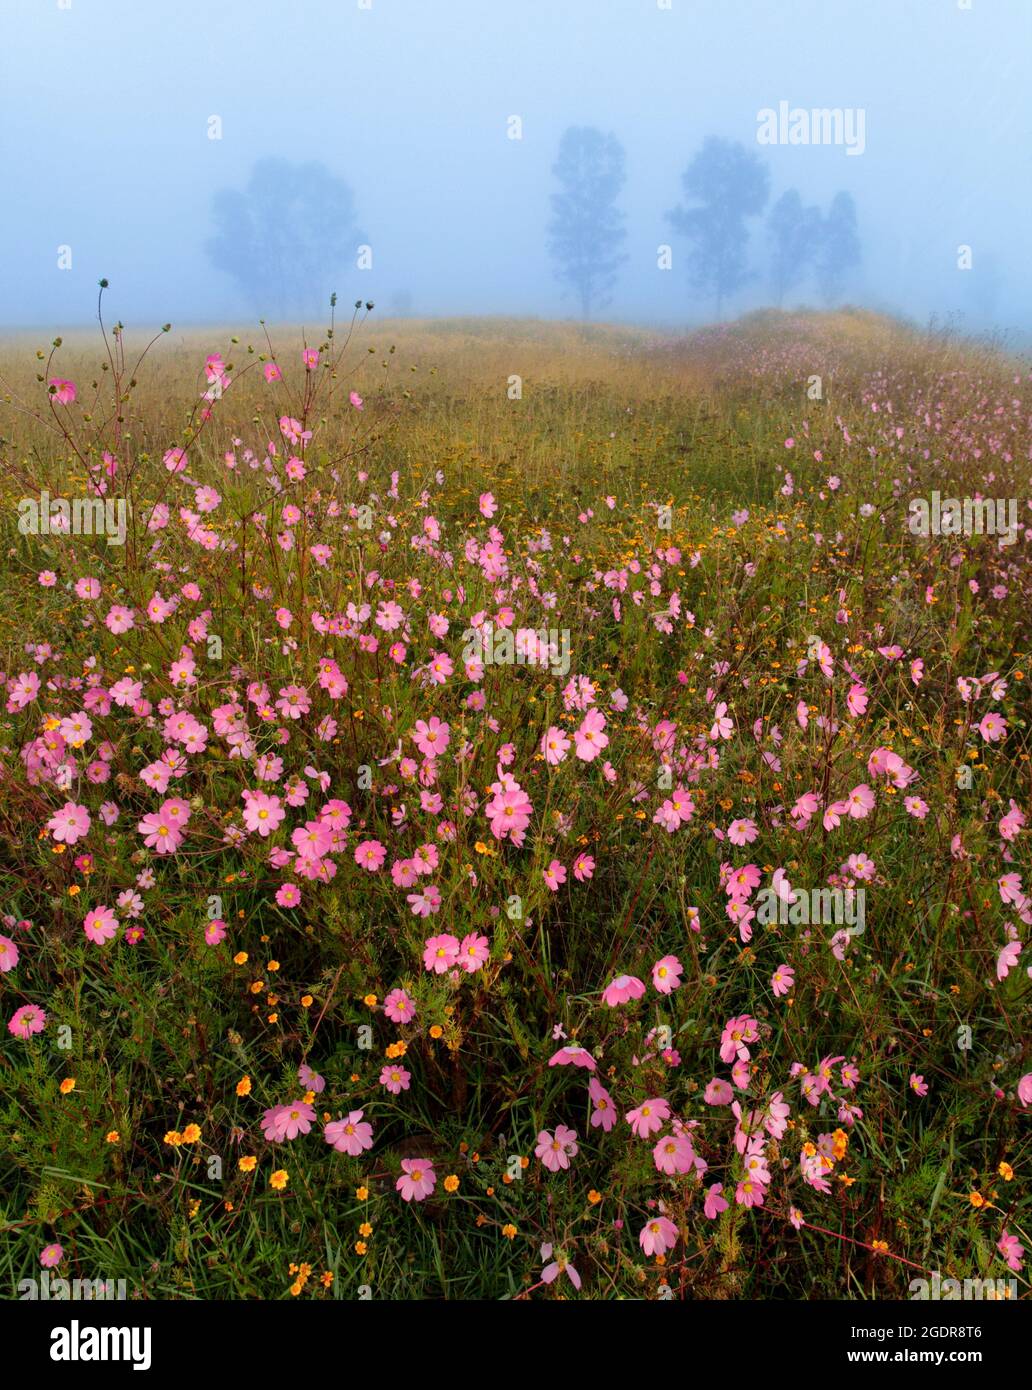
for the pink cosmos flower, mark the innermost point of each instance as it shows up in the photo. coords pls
(425, 903)
(395, 1079)
(666, 974)
(27, 1020)
(554, 876)
(560, 1265)
(604, 1113)
(287, 1121)
(431, 736)
(649, 1117)
(723, 725)
(351, 1135)
(1025, 1089)
(742, 832)
(783, 980)
(440, 953)
(572, 1056)
(918, 1084)
(673, 1153)
(737, 1032)
(715, 1201)
(70, 824)
(622, 990)
(556, 1151)
(215, 931)
(718, 1093)
(310, 1080)
(589, 740)
(100, 925)
(62, 391)
(993, 727)
(158, 834)
(398, 1007)
(1010, 1248)
(51, 1256)
(583, 867)
(417, 1180)
(658, 1236)
(370, 855)
(1007, 959)
(474, 952)
(263, 813)
(554, 745)
(750, 1193)
(8, 955)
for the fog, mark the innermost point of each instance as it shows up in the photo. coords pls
(122, 123)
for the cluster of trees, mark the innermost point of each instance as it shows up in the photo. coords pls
(724, 186)
(287, 236)
(292, 231)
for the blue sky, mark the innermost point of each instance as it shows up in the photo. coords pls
(105, 104)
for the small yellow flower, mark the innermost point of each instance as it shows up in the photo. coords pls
(248, 1164)
(976, 1199)
(436, 1030)
(306, 1003)
(279, 1179)
(272, 966)
(594, 1197)
(365, 1229)
(296, 1288)
(326, 1279)
(1006, 1172)
(243, 1086)
(112, 1136)
(370, 1001)
(362, 1193)
(240, 958)
(174, 1138)
(191, 1134)
(360, 1247)
(509, 1231)
(451, 1183)
(67, 1085)
(880, 1247)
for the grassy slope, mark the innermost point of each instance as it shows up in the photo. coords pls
(162, 1033)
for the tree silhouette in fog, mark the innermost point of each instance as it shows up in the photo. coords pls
(839, 249)
(287, 237)
(726, 184)
(586, 231)
(795, 235)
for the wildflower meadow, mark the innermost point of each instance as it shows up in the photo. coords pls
(495, 809)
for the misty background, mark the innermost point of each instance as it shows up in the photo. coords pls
(379, 133)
